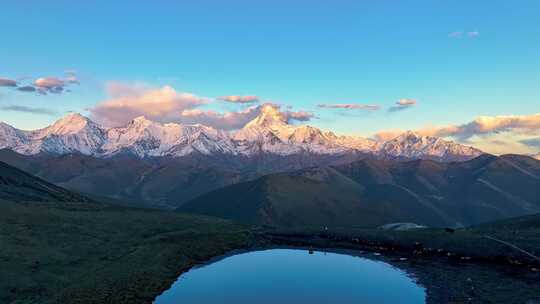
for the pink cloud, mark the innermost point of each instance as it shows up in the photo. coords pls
(165, 104)
(238, 119)
(5, 82)
(387, 135)
(225, 121)
(406, 102)
(127, 102)
(292, 116)
(403, 104)
(240, 99)
(481, 126)
(350, 106)
(43, 85)
(525, 124)
(49, 82)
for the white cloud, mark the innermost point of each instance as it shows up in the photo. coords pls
(456, 34)
(473, 34)
(461, 34)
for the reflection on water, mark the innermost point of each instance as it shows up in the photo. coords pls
(294, 276)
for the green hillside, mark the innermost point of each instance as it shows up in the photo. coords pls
(59, 247)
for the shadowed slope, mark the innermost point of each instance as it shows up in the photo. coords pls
(17, 185)
(368, 193)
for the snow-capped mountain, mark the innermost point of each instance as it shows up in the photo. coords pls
(411, 145)
(73, 133)
(12, 138)
(268, 133)
(143, 137)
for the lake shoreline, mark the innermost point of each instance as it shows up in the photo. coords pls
(454, 278)
(272, 271)
(445, 279)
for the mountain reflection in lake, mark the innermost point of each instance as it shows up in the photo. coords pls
(294, 276)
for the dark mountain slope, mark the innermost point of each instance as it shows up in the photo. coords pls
(372, 192)
(483, 189)
(17, 185)
(316, 197)
(161, 182)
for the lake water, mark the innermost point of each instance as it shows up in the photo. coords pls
(294, 276)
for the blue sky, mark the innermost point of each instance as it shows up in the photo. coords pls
(457, 59)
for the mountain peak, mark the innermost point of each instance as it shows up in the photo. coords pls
(269, 116)
(141, 120)
(69, 124)
(74, 117)
(410, 135)
(412, 145)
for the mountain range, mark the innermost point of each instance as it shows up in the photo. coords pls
(269, 134)
(166, 164)
(274, 173)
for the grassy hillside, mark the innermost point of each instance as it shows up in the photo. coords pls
(370, 193)
(87, 253)
(60, 247)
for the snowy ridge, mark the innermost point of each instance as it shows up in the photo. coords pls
(143, 137)
(413, 146)
(268, 133)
